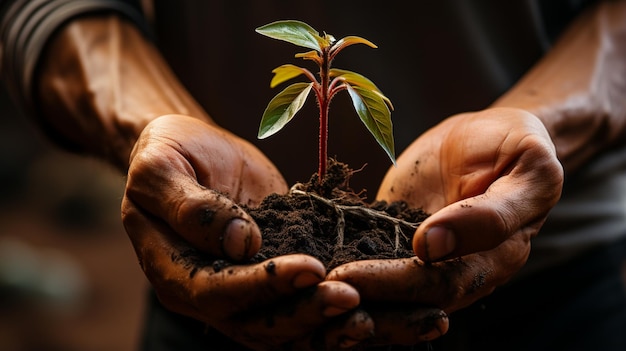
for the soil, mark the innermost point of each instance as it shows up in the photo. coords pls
(331, 222)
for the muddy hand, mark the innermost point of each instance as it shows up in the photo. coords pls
(489, 180)
(483, 176)
(190, 175)
(180, 210)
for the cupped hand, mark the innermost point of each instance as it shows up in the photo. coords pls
(489, 179)
(180, 209)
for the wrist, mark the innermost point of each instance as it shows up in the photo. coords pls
(100, 82)
(573, 89)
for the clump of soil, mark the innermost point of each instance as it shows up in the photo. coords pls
(331, 222)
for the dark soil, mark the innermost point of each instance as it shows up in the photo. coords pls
(333, 223)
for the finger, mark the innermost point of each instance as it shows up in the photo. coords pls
(403, 325)
(208, 220)
(293, 322)
(518, 201)
(448, 285)
(347, 331)
(180, 273)
(344, 332)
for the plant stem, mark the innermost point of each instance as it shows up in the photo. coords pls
(323, 147)
(324, 103)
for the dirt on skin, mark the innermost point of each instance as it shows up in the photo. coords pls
(331, 222)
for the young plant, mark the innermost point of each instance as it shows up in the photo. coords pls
(373, 108)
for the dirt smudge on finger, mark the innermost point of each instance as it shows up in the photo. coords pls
(191, 260)
(270, 268)
(207, 216)
(218, 265)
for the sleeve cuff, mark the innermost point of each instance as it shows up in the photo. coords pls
(26, 26)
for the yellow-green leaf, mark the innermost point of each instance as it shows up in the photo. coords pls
(284, 73)
(294, 32)
(310, 55)
(376, 116)
(350, 40)
(282, 108)
(356, 79)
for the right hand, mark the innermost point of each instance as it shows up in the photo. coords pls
(180, 211)
(489, 179)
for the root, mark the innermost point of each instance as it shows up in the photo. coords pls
(356, 211)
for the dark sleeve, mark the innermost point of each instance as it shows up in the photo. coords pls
(26, 26)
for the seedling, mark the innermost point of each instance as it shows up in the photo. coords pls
(372, 106)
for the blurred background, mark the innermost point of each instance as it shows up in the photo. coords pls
(69, 279)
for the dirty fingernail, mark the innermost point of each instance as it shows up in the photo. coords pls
(237, 241)
(439, 242)
(305, 280)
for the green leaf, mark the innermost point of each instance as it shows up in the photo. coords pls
(294, 32)
(355, 79)
(376, 116)
(282, 108)
(284, 73)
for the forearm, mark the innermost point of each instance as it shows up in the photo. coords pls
(100, 82)
(578, 89)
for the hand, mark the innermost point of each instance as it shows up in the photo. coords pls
(180, 210)
(489, 179)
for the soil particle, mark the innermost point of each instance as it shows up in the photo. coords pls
(218, 265)
(207, 217)
(191, 260)
(478, 282)
(270, 268)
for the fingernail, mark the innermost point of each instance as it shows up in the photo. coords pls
(340, 306)
(332, 311)
(348, 342)
(431, 335)
(237, 239)
(305, 280)
(439, 242)
(439, 329)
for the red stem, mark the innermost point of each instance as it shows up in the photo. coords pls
(324, 103)
(323, 147)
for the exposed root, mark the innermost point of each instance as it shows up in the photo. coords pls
(357, 211)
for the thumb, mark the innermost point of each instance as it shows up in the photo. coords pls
(213, 223)
(517, 202)
(209, 221)
(468, 226)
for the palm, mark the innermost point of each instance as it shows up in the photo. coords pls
(456, 161)
(489, 179)
(482, 167)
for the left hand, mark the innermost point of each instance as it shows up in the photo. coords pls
(181, 211)
(488, 179)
